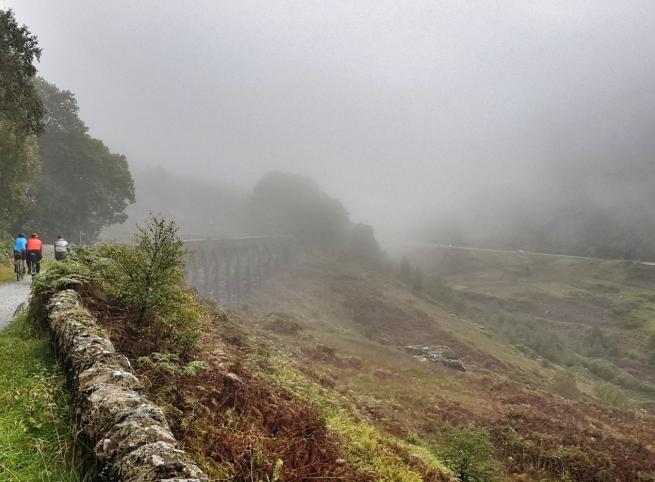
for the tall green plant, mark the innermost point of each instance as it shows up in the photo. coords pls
(160, 271)
(149, 279)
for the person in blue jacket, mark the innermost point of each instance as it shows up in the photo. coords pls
(20, 252)
(20, 247)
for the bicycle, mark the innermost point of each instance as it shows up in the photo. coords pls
(19, 268)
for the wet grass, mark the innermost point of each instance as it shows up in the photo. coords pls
(36, 435)
(385, 456)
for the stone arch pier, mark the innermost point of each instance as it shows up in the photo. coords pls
(225, 270)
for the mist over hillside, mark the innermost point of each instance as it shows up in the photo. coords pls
(603, 210)
(497, 123)
(200, 207)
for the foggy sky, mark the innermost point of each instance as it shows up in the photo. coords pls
(398, 108)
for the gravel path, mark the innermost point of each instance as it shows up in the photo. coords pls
(12, 294)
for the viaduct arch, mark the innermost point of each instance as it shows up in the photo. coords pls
(226, 269)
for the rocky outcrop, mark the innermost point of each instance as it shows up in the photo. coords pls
(128, 435)
(437, 354)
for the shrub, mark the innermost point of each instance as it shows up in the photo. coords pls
(405, 270)
(155, 270)
(438, 289)
(612, 396)
(149, 279)
(470, 454)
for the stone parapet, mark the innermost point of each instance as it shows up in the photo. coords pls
(127, 436)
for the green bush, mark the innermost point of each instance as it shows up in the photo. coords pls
(438, 289)
(612, 396)
(470, 454)
(149, 279)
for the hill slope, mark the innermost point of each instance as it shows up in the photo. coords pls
(556, 387)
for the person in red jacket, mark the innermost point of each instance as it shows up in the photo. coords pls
(34, 254)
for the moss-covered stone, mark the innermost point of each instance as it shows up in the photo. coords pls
(130, 436)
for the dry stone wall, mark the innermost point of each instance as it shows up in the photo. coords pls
(127, 435)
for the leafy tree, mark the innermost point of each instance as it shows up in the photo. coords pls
(20, 118)
(82, 186)
(20, 161)
(363, 245)
(284, 203)
(19, 103)
(470, 454)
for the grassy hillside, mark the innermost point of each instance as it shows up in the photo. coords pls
(492, 368)
(557, 383)
(245, 409)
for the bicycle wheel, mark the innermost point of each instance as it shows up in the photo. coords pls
(17, 271)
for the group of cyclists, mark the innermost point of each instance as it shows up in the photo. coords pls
(30, 252)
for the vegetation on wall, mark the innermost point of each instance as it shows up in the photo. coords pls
(141, 286)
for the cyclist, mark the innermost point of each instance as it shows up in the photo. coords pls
(61, 248)
(20, 247)
(34, 254)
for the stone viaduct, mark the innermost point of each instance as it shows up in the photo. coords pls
(226, 269)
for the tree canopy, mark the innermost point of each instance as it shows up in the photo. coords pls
(284, 203)
(20, 119)
(19, 102)
(82, 186)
